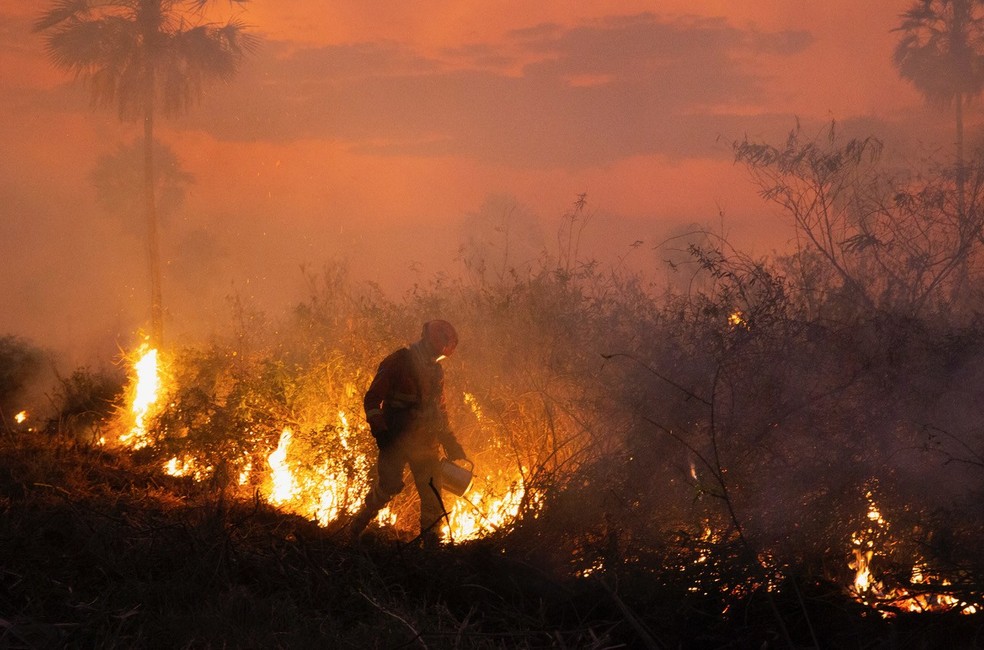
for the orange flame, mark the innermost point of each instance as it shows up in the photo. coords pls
(869, 590)
(187, 466)
(330, 490)
(324, 492)
(327, 491)
(284, 487)
(148, 385)
(482, 512)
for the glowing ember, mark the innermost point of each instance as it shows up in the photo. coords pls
(737, 319)
(148, 385)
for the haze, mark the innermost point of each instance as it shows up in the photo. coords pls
(387, 135)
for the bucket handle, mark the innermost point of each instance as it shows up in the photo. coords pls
(471, 463)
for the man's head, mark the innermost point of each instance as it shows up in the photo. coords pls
(440, 338)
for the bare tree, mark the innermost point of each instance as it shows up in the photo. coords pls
(895, 243)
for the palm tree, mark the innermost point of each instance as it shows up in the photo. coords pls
(144, 56)
(941, 52)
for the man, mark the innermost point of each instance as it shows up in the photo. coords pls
(407, 415)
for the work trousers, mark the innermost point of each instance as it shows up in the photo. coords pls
(425, 467)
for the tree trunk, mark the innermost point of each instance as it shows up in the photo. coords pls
(153, 248)
(961, 272)
(960, 155)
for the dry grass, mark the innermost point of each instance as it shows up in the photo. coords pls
(100, 553)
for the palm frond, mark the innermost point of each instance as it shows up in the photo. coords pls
(134, 52)
(61, 11)
(940, 49)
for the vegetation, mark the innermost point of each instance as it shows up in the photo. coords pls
(21, 364)
(789, 455)
(940, 52)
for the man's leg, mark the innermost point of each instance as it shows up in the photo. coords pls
(387, 482)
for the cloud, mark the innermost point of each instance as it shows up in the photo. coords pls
(548, 95)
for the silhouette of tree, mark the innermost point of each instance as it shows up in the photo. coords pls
(941, 51)
(141, 57)
(897, 243)
(118, 181)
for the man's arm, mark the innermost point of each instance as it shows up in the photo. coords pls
(379, 390)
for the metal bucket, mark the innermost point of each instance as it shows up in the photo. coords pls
(455, 478)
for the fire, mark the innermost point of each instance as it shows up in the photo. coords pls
(737, 319)
(875, 540)
(187, 466)
(245, 473)
(326, 490)
(284, 486)
(148, 385)
(495, 504)
(333, 487)
(481, 512)
(21, 417)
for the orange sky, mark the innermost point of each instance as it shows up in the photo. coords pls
(387, 134)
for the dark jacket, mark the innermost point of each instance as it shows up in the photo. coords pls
(406, 400)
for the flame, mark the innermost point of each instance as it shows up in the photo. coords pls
(284, 486)
(187, 466)
(245, 473)
(20, 417)
(386, 517)
(869, 590)
(737, 319)
(324, 492)
(473, 404)
(334, 487)
(495, 503)
(148, 386)
(482, 512)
